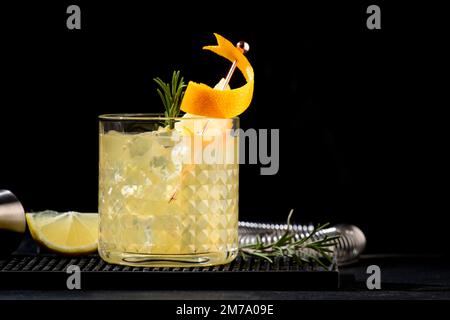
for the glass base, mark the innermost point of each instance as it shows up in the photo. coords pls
(168, 260)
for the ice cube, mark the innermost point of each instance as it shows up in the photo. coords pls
(113, 146)
(158, 162)
(140, 145)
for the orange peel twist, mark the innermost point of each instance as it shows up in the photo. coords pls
(200, 99)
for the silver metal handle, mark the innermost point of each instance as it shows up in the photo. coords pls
(349, 246)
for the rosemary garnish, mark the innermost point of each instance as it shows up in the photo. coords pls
(171, 95)
(303, 251)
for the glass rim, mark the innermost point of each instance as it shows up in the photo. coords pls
(152, 117)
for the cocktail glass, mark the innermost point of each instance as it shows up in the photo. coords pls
(168, 190)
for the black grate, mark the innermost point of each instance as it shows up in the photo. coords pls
(49, 272)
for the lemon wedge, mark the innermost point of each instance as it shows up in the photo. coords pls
(69, 232)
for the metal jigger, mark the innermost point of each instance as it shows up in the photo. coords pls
(12, 223)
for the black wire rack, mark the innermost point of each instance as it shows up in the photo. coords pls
(47, 271)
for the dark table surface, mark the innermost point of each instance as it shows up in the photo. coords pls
(403, 277)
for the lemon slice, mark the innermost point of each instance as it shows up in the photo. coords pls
(69, 232)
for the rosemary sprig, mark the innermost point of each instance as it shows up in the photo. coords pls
(171, 95)
(303, 251)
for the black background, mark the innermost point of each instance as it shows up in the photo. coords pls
(360, 112)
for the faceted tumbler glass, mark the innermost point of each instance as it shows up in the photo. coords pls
(168, 190)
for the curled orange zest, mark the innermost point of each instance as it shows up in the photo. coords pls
(202, 100)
